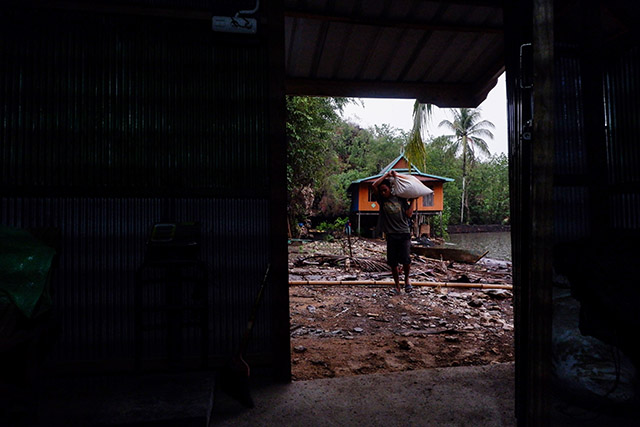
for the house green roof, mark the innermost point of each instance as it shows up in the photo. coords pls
(414, 171)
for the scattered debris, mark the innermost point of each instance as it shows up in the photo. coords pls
(475, 302)
(319, 260)
(343, 311)
(499, 293)
(440, 326)
(405, 345)
(365, 264)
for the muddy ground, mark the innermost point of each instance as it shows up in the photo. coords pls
(341, 330)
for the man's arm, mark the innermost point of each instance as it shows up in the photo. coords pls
(409, 211)
(378, 181)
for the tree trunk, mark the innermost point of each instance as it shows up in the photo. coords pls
(464, 178)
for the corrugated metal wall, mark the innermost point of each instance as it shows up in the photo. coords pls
(622, 113)
(571, 174)
(112, 123)
(596, 211)
(595, 194)
(617, 176)
(135, 105)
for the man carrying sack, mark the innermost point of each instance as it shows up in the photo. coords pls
(395, 215)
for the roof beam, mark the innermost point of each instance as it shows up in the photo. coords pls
(444, 95)
(487, 82)
(399, 24)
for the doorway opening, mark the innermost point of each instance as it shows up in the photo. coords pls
(344, 319)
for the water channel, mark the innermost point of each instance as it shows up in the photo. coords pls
(497, 243)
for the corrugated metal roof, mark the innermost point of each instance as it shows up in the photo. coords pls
(448, 53)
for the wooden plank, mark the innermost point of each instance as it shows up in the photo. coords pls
(385, 283)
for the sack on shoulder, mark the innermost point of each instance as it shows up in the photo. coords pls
(408, 187)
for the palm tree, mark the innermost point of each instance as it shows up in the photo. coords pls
(468, 139)
(415, 151)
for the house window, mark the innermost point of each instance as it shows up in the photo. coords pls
(371, 197)
(427, 201)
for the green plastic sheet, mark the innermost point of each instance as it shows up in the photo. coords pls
(24, 270)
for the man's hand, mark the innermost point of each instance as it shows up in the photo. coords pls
(409, 211)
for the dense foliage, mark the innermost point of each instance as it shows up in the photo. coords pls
(489, 191)
(327, 153)
(311, 160)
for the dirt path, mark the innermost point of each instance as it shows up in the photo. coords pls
(349, 330)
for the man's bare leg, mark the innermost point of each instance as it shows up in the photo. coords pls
(407, 279)
(396, 278)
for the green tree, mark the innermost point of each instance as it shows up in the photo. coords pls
(310, 122)
(358, 153)
(385, 145)
(489, 191)
(351, 144)
(467, 140)
(442, 162)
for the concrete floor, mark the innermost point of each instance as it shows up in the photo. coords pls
(460, 396)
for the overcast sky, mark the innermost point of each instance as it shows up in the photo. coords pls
(398, 113)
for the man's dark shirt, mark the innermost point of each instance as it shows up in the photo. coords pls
(393, 219)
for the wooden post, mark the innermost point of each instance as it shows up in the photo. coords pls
(538, 276)
(529, 25)
(279, 275)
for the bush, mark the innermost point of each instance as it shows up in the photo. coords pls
(441, 222)
(336, 226)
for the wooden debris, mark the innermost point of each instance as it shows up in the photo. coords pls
(365, 264)
(330, 261)
(387, 283)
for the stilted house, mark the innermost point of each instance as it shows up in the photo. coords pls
(365, 208)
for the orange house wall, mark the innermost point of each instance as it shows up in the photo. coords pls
(401, 164)
(365, 205)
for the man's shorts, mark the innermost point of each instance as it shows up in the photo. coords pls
(398, 246)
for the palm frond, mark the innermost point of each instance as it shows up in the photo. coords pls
(415, 150)
(482, 132)
(482, 146)
(447, 124)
